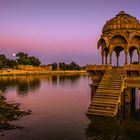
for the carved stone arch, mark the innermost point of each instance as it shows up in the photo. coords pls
(132, 35)
(120, 34)
(135, 41)
(102, 42)
(118, 50)
(131, 51)
(132, 48)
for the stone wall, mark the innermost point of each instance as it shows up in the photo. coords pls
(34, 68)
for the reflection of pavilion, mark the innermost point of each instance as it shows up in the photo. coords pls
(121, 33)
(137, 98)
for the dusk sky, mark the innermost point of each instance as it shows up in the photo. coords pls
(58, 30)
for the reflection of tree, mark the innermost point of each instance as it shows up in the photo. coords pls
(69, 78)
(65, 79)
(22, 87)
(35, 84)
(54, 79)
(24, 84)
(6, 82)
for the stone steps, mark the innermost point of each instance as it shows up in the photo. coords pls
(107, 96)
(111, 84)
(103, 109)
(104, 105)
(107, 90)
(101, 113)
(109, 87)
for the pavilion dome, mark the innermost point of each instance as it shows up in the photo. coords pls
(122, 21)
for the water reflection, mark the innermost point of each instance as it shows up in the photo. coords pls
(65, 79)
(26, 84)
(23, 84)
(125, 126)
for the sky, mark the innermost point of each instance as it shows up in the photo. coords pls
(58, 30)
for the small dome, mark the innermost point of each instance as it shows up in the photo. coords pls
(122, 21)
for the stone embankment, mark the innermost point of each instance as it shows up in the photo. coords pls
(24, 72)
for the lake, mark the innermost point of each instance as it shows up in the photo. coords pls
(59, 104)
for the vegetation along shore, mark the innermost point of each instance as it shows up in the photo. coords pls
(23, 64)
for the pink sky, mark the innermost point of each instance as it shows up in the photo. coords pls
(58, 30)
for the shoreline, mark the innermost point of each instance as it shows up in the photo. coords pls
(15, 72)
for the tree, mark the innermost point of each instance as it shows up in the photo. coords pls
(34, 61)
(3, 61)
(12, 63)
(24, 59)
(54, 66)
(21, 54)
(62, 66)
(74, 66)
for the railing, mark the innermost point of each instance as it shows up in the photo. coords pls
(132, 67)
(124, 84)
(98, 67)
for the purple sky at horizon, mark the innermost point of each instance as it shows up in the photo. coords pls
(58, 30)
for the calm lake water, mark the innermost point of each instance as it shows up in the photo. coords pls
(59, 104)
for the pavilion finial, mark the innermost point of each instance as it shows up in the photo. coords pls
(122, 13)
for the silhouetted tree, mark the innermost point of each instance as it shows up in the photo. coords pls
(3, 61)
(12, 63)
(62, 66)
(34, 61)
(24, 59)
(71, 66)
(54, 66)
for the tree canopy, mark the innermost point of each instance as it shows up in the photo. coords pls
(3, 61)
(64, 66)
(24, 59)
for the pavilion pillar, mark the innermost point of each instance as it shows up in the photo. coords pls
(131, 58)
(106, 55)
(102, 57)
(126, 58)
(138, 56)
(110, 58)
(117, 55)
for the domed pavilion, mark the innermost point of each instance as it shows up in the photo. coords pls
(121, 33)
(112, 86)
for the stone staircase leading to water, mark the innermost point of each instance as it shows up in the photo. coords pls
(107, 97)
